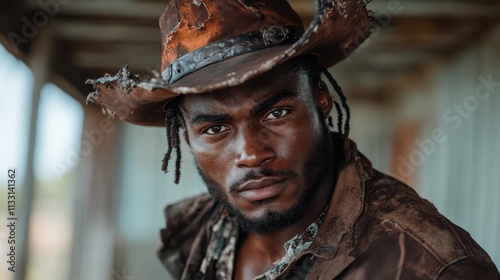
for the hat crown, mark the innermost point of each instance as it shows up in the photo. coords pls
(187, 25)
(209, 45)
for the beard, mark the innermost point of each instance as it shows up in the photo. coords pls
(316, 168)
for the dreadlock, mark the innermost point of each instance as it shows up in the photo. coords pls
(173, 123)
(313, 70)
(343, 100)
(339, 117)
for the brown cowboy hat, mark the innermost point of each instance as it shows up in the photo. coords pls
(210, 45)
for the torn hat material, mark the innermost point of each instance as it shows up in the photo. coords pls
(210, 45)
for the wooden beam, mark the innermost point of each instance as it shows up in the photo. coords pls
(91, 9)
(12, 49)
(431, 9)
(67, 87)
(422, 9)
(95, 198)
(86, 31)
(39, 62)
(424, 71)
(137, 60)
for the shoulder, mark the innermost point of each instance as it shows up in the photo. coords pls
(187, 225)
(187, 215)
(186, 210)
(396, 216)
(481, 267)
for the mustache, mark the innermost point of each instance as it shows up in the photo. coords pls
(256, 174)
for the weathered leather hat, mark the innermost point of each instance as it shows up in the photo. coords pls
(214, 44)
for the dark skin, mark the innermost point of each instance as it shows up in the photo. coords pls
(272, 122)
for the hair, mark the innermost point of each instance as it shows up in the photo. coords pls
(309, 65)
(173, 123)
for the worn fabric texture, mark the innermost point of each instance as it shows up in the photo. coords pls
(375, 227)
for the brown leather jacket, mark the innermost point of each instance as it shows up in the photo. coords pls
(375, 228)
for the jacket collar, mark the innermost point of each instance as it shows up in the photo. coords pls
(337, 235)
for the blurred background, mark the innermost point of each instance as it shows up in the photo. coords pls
(424, 92)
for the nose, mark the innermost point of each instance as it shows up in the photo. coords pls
(254, 148)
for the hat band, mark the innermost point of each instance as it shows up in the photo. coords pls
(268, 36)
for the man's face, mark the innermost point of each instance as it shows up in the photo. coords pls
(263, 147)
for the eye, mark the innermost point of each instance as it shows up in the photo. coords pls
(276, 114)
(215, 129)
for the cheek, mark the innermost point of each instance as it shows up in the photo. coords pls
(296, 142)
(213, 160)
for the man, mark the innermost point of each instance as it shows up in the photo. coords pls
(287, 198)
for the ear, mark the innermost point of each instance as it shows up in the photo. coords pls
(323, 99)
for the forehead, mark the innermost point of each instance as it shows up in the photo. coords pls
(284, 78)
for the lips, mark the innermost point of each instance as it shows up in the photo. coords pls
(262, 188)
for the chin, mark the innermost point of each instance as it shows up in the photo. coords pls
(268, 215)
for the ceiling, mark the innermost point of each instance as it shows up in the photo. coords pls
(90, 38)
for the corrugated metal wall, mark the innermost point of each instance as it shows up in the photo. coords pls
(462, 176)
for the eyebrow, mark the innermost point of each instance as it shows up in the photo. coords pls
(210, 118)
(263, 106)
(268, 103)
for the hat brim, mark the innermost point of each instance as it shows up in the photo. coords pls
(334, 33)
